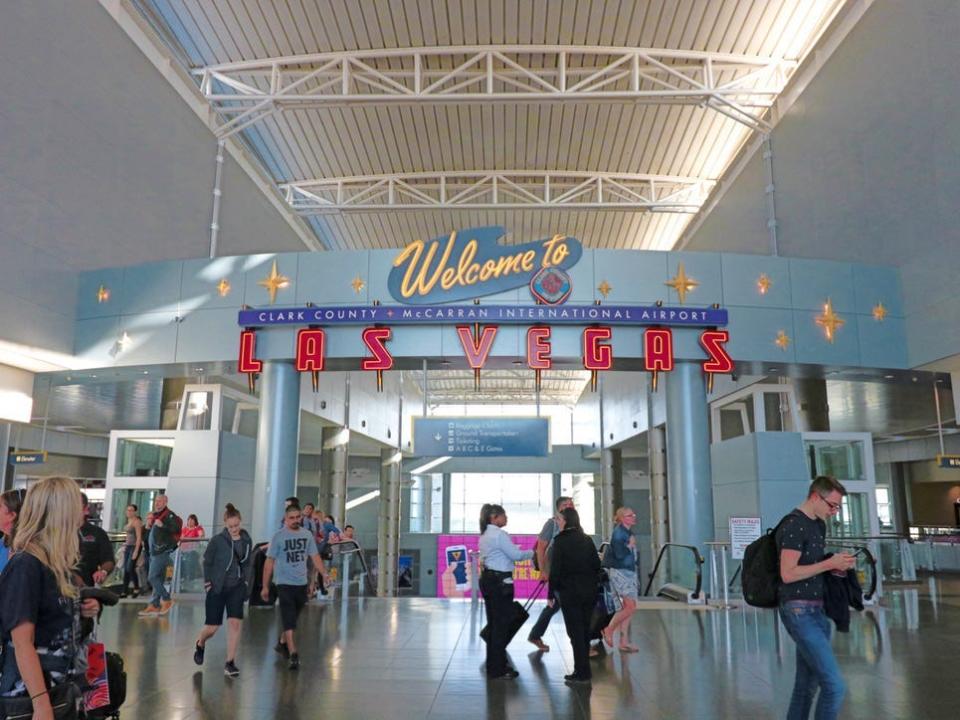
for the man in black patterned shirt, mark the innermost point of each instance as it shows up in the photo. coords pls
(801, 538)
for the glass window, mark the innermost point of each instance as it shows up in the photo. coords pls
(249, 417)
(736, 419)
(228, 411)
(198, 411)
(582, 488)
(143, 499)
(776, 412)
(527, 498)
(143, 457)
(883, 507)
(843, 459)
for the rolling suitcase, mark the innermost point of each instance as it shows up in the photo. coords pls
(520, 615)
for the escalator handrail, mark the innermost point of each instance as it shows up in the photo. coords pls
(656, 566)
(363, 562)
(871, 561)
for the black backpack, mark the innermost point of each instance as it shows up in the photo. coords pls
(760, 573)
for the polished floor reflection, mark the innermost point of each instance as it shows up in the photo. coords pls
(421, 658)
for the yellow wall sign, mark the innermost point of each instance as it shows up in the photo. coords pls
(472, 263)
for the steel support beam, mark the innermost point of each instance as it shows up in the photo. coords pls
(741, 87)
(498, 189)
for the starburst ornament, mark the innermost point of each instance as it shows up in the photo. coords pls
(782, 340)
(829, 321)
(103, 294)
(879, 312)
(357, 284)
(763, 283)
(273, 282)
(223, 287)
(604, 289)
(682, 284)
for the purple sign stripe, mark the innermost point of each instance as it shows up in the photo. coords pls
(496, 314)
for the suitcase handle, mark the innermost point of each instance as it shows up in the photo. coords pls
(536, 593)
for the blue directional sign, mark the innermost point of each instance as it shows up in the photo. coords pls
(28, 458)
(481, 437)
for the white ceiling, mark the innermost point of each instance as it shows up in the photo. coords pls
(328, 142)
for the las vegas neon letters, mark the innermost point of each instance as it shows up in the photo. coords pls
(597, 351)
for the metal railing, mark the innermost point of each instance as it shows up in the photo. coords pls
(676, 590)
(344, 552)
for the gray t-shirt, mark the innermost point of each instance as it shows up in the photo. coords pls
(291, 551)
(547, 534)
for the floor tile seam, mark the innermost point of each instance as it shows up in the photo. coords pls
(463, 628)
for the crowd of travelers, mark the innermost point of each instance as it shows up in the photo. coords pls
(800, 578)
(51, 553)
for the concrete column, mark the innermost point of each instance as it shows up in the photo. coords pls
(278, 436)
(446, 504)
(814, 409)
(388, 525)
(613, 482)
(659, 528)
(6, 478)
(900, 489)
(333, 472)
(688, 456)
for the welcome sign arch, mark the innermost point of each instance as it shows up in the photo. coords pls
(429, 281)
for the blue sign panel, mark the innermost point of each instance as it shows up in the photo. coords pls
(28, 458)
(481, 437)
(949, 461)
(472, 263)
(496, 314)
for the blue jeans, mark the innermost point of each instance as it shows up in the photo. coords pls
(816, 665)
(159, 562)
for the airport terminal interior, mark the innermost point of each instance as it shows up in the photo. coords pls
(664, 261)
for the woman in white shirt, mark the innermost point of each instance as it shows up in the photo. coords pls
(498, 556)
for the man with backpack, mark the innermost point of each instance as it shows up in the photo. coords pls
(800, 543)
(163, 540)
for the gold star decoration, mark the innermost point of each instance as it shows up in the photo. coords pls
(682, 284)
(604, 288)
(763, 283)
(103, 294)
(782, 340)
(357, 284)
(274, 281)
(879, 312)
(829, 321)
(223, 287)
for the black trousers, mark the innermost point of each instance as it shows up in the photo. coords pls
(577, 610)
(498, 599)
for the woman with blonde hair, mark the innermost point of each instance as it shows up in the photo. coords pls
(620, 561)
(37, 594)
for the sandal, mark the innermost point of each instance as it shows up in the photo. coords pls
(628, 648)
(594, 651)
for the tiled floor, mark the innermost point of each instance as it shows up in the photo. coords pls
(421, 658)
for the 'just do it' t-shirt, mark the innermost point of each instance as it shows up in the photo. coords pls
(291, 551)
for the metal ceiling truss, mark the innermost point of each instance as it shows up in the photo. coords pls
(497, 189)
(741, 87)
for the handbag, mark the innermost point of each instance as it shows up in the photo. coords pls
(519, 614)
(64, 698)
